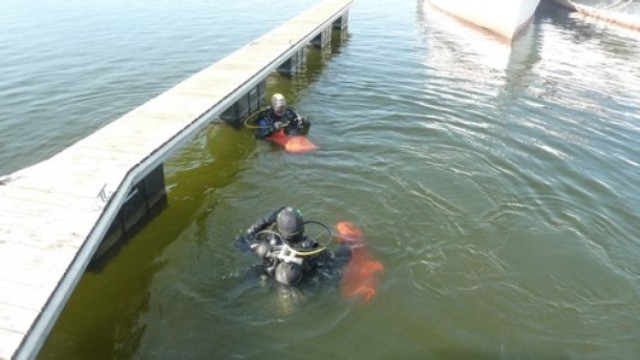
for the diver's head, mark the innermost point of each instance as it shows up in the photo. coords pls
(278, 104)
(290, 225)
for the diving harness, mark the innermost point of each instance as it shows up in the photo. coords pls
(273, 247)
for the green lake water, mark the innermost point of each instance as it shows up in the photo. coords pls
(497, 185)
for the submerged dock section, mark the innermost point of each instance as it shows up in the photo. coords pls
(55, 215)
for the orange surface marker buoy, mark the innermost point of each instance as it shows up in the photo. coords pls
(294, 143)
(362, 274)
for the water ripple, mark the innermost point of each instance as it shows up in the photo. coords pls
(497, 184)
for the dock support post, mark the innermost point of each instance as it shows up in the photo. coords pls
(341, 22)
(248, 104)
(322, 38)
(291, 65)
(145, 201)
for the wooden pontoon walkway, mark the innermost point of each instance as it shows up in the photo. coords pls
(54, 214)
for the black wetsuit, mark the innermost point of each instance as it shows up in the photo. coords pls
(290, 121)
(278, 261)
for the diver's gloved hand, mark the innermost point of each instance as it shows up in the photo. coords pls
(300, 120)
(253, 230)
(242, 243)
(278, 125)
(242, 238)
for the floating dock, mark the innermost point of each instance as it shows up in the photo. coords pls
(55, 215)
(614, 14)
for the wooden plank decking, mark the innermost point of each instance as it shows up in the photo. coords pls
(54, 214)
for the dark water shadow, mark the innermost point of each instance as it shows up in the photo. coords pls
(101, 319)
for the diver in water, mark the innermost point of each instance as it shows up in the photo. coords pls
(280, 116)
(288, 255)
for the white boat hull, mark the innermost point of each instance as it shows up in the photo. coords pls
(503, 17)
